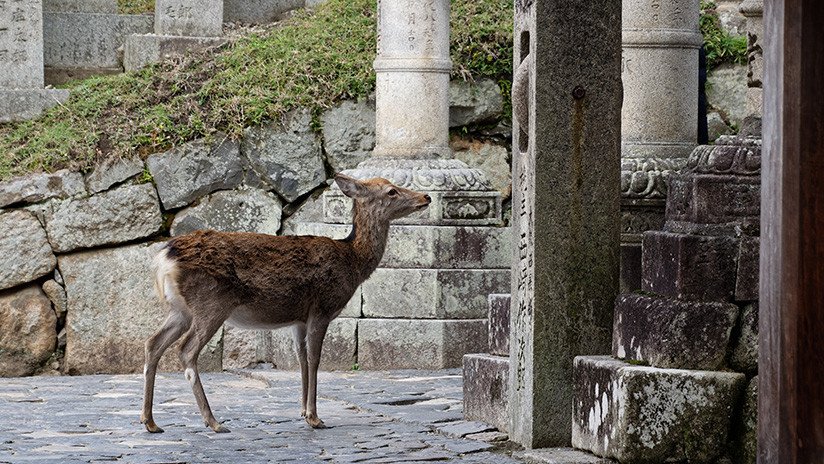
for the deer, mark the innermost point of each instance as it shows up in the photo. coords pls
(259, 281)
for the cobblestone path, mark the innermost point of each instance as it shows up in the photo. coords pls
(373, 417)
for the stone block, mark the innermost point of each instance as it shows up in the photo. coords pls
(431, 293)
(672, 333)
(23, 104)
(112, 171)
(29, 335)
(712, 204)
(499, 324)
(630, 278)
(643, 414)
(89, 40)
(348, 133)
(244, 348)
(25, 253)
(243, 210)
(561, 456)
(486, 389)
(113, 310)
(475, 102)
(257, 11)
(745, 350)
(193, 18)
(689, 266)
(339, 347)
(443, 247)
(492, 159)
(39, 187)
(57, 295)
(746, 277)
(310, 210)
(142, 50)
(727, 91)
(115, 216)
(21, 47)
(746, 443)
(80, 6)
(417, 343)
(286, 158)
(188, 172)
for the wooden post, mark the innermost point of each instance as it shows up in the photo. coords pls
(791, 341)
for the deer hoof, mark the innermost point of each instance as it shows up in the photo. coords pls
(220, 429)
(151, 426)
(315, 423)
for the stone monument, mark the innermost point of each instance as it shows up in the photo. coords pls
(180, 25)
(659, 118)
(430, 291)
(22, 95)
(753, 10)
(565, 218)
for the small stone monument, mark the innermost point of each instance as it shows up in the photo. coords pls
(22, 95)
(565, 205)
(753, 10)
(180, 25)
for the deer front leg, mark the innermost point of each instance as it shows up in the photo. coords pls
(194, 341)
(176, 323)
(299, 334)
(314, 343)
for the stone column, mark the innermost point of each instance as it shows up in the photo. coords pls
(565, 218)
(659, 118)
(21, 53)
(753, 10)
(179, 25)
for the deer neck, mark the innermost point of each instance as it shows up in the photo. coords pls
(368, 238)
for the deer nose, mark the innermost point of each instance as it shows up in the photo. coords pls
(428, 198)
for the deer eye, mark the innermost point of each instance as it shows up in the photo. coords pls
(392, 192)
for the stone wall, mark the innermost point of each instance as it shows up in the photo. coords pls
(76, 290)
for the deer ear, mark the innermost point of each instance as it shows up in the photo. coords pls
(349, 186)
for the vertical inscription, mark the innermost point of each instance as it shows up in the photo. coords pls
(525, 271)
(655, 8)
(21, 44)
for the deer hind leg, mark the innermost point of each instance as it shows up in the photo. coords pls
(195, 339)
(299, 334)
(316, 330)
(176, 323)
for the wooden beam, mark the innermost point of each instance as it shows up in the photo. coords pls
(791, 341)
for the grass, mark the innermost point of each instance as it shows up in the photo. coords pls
(721, 47)
(311, 60)
(135, 6)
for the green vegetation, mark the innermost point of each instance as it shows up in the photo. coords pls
(721, 47)
(311, 60)
(135, 6)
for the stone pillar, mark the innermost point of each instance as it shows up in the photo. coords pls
(659, 118)
(179, 25)
(753, 10)
(565, 218)
(21, 53)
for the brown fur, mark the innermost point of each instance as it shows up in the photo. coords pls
(263, 281)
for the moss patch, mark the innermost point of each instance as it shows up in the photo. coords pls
(311, 60)
(135, 6)
(721, 47)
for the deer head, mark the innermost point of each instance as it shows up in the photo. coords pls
(381, 198)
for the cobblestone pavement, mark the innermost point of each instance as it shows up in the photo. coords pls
(373, 417)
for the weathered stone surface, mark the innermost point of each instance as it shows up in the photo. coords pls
(561, 456)
(432, 293)
(194, 18)
(474, 102)
(348, 133)
(244, 210)
(23, 104)
(747, 441)
(490, 158)
(186, 173)
(746, 277)
(499, 323)
(311, 210)
(643, 414)
(727, 91)
(257, 11)
(672, 333)
(38, 187)
(29, 334)
(89, 40)
(745, 352)
(417, 343)
(142, 50)
(25, 253)
(486, 389)
(112, 171)
(57, 295)
(339, 347)
(445, 247)
(288, 158)
(244, 348)
(113, 310)
(716, 126)
(689, 266)
(120, 215)
(23, 59)
(84, 6)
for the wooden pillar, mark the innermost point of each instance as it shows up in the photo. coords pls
(791, 341)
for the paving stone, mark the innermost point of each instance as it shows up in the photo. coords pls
(39, 187)
(499, 323)
(25, 252)
(561, 456)
(672, 333)
(461, 429)
(486, 389)
(644, 414)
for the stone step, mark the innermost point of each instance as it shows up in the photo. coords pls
(486, 389)
(670, 333)
(499, 323)
(644, 414)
